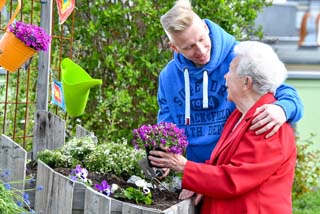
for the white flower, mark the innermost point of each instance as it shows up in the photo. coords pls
(114, 187)
(145, 190)
(84, 174)
(141, 183)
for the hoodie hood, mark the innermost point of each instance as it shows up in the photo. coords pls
(222, 44)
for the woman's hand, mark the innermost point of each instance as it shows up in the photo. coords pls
(184, 194)
(269, 117)
(198, 199)
(165, 173)
(161, 159)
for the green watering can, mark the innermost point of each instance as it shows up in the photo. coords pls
(76, 84)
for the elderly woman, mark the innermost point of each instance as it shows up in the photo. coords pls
(246, 173)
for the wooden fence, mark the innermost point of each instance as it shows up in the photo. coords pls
(60, 194)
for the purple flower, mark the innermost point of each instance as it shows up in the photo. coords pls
(104, 188)
(25, 196)
(5, 173)
(19, 203)
(79, 173)
(39, 188)
(74, 178)
(32, 180)
(31, 35)
(7, 186)
(165, 134)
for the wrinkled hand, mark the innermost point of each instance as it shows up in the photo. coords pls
(165, 173)
(269, 117)
(198, 199)
(184, 194)
(161, 159)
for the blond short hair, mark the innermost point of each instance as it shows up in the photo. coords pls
(178, 18)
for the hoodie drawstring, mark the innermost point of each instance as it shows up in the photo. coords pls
(187, 96)
(205, 102)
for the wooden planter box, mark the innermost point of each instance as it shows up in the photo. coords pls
(62, 195)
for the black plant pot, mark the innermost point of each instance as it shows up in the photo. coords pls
(148, 151)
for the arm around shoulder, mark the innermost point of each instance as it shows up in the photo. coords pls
(288, 98)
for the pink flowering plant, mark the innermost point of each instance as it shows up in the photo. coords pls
(165, 133)
(31, 35)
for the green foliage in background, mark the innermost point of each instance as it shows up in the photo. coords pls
(307, 171)
(122, 42)
(308, 203)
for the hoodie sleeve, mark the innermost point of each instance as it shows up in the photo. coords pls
(287, 97)
(164, 112)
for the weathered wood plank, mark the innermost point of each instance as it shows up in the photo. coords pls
(96, 203)
(79, 194)
(183, 207)
(13, 158)
(45, 179)
(116, 206)
(62, 195)
(57, 195)
(44, 58)
(128, 208)
(49, 132)
(82, 132)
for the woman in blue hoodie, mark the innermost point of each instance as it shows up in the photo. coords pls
(192, 91)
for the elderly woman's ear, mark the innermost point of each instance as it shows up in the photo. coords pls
(248, 81)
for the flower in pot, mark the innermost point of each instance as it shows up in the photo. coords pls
(164, 134)
(20, 42)
(31, 35)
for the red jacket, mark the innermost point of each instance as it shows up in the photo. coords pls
(246, 172)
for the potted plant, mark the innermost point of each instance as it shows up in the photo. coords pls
(164, 134)
(20, 42)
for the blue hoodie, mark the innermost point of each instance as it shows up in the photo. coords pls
(195, 98)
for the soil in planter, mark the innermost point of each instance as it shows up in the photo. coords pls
(161, 199)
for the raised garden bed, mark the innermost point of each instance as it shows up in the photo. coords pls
(62, 195)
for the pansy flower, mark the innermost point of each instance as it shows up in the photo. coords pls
(104, 188)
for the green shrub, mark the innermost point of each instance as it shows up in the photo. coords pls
(117, 158)
(307, 172)
(52, 158)
(78, 149)
(307, 203)
(71, 154)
